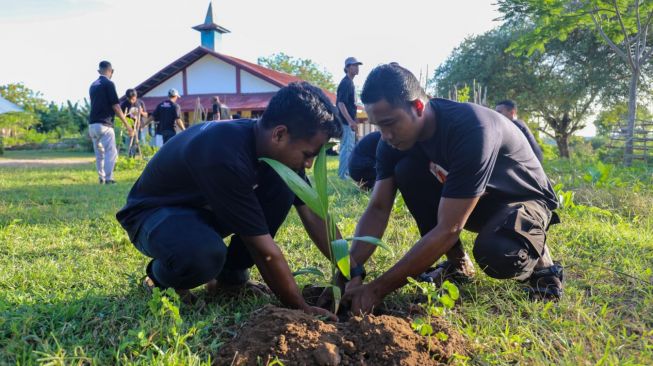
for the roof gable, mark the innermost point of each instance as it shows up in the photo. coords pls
(274, 77)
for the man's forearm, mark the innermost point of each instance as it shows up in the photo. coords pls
(180, 124)
(121, 115)
(345, 113)
(276, 274)
(422, 255)
(372, 223)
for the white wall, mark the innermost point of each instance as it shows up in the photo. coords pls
(210, 75)
(252, 84)
(176, 81)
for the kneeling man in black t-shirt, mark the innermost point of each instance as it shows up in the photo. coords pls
(207, 184)
(457, 165)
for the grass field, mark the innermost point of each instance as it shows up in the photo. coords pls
(70, 280)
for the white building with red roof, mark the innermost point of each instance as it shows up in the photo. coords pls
(244, 87)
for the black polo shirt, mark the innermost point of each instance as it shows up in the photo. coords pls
(209, 166)
(346, 94)
(529, 136)
(476, 151)
(103, 98)
(166, 113)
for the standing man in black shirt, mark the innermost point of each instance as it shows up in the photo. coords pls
(207, 184)
(509, 109)
(346, 103)
(457, 165)
(104, 107)
(168, 114)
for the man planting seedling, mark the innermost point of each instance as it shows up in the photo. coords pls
(207, 183)
(457, 165)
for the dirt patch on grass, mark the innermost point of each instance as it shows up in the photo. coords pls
(24, 163)
(296, 338)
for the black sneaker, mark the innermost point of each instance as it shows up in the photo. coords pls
(110, 181)
(149, 284)
(448, 271)
(546, 283)
(101, 180)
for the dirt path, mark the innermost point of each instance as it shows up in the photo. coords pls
(24, 163)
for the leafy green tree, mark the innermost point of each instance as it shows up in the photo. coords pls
(609, 118)
(29, 100)
(557, 87)
(304, 69)
(623, 25)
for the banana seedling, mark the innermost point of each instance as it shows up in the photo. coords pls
(318, 201)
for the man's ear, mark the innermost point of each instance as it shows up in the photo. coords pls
(280, 134)
(419, 107)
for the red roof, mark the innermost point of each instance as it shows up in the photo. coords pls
(239, 101)
(234, 102)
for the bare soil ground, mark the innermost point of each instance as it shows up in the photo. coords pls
(296, 338)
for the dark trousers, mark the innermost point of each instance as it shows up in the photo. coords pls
(511, 233)
(187, 249)
(167, 135)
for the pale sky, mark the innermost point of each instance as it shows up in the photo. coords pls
(55, 46)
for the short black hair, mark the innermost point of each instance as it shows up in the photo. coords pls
(304, 109)
(131, 93)
(105, 65)
(508, 103)
(395, 84)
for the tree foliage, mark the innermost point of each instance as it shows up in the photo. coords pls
(623, 25)
(304, 69)
(557, 86)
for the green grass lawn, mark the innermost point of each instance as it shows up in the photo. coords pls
(70, 280)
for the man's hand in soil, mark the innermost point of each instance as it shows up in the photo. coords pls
(362, 299)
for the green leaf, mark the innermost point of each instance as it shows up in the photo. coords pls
(309, 270)
(320, 175)
(298, 185)
(371, 240)
(441, 336)
(426, 330)
(340, 250)
(451, 289)
(447, 301)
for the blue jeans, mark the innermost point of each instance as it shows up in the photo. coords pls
(347, 142)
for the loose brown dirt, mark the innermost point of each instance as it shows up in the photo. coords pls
(296, 338)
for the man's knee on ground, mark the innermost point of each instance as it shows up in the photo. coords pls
(504, 256)
(192, 268)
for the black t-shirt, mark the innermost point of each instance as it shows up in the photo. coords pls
(364, 154)
(166, 113)
(103, 98)
(346, 94)
(210, 166)
(131, 109)
(476, 151)
(529, 136)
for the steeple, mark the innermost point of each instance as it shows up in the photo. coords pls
(211, 33)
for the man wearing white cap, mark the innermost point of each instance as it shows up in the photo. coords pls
(346, 102)
(168, 114)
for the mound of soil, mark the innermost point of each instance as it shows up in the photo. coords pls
(296, 338)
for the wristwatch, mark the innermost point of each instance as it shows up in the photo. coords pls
(359, 270)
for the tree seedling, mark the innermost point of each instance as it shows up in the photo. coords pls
(445, 296)
(318, 201)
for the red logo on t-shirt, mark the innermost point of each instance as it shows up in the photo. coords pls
(439, 172)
